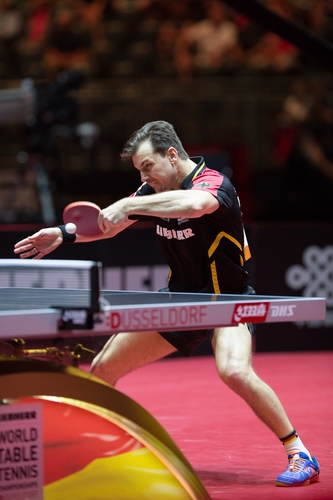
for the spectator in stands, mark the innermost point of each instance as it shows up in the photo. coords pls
(129, 7)
(210, 46)
(303, 151)
(166, 41)
(310, 163)
(316, 16)
(38, 18)
(249, 32)
(318, 144)
(295, 112)
(11, 29)
(69, 43)
(181, 12)
(172, 17)
(37, 15)
(91, 13)
(272, 55)
(321, 19)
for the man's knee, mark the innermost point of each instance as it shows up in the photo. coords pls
(234, 373)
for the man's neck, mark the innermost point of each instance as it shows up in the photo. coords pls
(185, 168)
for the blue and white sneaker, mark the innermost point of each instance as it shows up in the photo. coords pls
(301, 471)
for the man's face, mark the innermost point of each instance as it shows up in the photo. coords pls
(157, 171)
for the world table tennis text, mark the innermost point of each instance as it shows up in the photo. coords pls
(21, 452)
(156, 318)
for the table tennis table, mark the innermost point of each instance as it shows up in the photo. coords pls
(50, 313)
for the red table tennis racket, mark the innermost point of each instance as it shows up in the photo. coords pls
(84, 215)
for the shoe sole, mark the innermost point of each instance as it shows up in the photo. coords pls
(305, 483)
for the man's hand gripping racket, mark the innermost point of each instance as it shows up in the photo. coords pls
(84, 215)
(81, 217)
(91, 221)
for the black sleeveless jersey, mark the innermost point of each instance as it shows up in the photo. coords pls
(205, 254)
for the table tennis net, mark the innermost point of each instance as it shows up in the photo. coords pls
(70, 281)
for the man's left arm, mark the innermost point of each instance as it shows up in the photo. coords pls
(192, 203)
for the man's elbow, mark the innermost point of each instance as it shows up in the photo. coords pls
(204, 204)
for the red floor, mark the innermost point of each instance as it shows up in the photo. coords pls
(234, 454)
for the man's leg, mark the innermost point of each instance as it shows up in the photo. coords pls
(233, 353)
(125, 352)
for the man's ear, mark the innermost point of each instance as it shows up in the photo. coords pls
(172, 154)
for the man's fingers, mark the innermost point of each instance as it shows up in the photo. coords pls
(25, 246)
(38, 256)
(102, 223)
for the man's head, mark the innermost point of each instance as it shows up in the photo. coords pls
(158, 155)
(160, 134)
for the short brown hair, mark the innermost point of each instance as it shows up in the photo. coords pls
(162, 136)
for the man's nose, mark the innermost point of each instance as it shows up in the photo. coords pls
(144, 177)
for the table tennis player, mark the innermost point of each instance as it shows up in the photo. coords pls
(200, 234)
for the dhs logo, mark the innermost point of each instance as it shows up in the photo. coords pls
(250, 312)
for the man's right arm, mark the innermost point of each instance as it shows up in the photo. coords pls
(48, 239)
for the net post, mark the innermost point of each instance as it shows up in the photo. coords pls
(95, 285)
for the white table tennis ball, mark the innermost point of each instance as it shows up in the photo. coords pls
(70, 228)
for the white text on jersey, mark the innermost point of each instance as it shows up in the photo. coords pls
(172, 233)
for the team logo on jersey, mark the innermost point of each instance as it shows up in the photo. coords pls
(202, 185)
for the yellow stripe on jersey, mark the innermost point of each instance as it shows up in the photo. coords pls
(217, 240)
(215, 281)
(199, 171)
(212, 249)
(215, 244)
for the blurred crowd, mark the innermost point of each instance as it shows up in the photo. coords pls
(303, 150)
(182, 38)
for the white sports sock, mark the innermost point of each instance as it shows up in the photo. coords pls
(293, 444)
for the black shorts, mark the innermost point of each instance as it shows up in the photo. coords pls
(187, 341)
